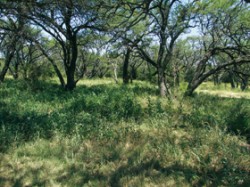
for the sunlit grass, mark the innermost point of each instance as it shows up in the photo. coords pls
(96, 81)
(223, 90)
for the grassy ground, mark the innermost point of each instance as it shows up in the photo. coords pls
(103, 134)
(223, 90)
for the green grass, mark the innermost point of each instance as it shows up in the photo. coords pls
(104, 134)
(223, 90)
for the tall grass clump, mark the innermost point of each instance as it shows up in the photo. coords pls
(204, 111)
(114, 105)
(238, 119)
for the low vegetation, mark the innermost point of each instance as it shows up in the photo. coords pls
(106, 134)
(223, 90)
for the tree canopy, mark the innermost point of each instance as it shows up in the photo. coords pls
(169, 37)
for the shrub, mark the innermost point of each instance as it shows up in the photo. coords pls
(238, 119)
(114, 105)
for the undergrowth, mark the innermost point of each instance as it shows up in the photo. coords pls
(103, 134)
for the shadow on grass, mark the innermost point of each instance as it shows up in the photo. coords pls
(16, 127)
(75, 176)
(32, 177)
(79, 176)
(209, 177)
(85, 105)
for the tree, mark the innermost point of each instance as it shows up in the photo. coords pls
(130, 20)
(49, 53)
(66, 21)
(168, 20)
(238, 75)
(223, 35)
(11, 31)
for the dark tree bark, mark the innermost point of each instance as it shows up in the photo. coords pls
(126, 66)
(216, 79)
(243, 85)
(70, 74)
(7, 61)
(191, 88)
(232, 83)
(72, 48)
(244, 82)
(133, 75)
(16, 70)
(232, 79)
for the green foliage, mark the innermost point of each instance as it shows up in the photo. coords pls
(239, 119)
(113, 105)
(202, 114)
(38, 72)
(39, 112)
(189, 75)
(155, 108)
(102, 134)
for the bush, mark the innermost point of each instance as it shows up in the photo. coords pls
(37, 73)
(202, 113)
(155, 108)
(238, 119)
(114, 105)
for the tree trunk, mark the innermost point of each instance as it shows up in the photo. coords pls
(56, 69)
(125, 67)
(199, 75)
(191, 88)
(231, 79)
(6, 65)
(58, 73)
(114, 65)
(133, 74)
(176, 79)
(16, 70)
(194, 83)
(216, 79)
(16, 66)
(71, 84)
(70, 66)
(197, 82)
(232, 83)
(244, 83)
(162, 82)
